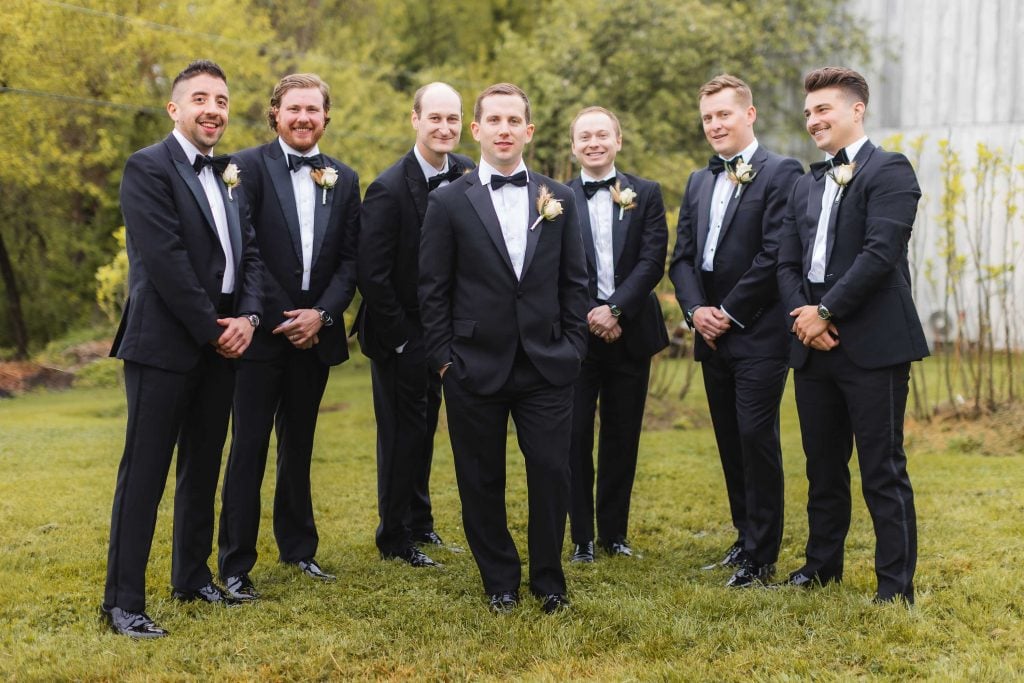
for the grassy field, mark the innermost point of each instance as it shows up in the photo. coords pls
(654, 617)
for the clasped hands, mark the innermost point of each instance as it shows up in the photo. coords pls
(812, 330)
(235, 338)
(301, 327)
(603, 324)
(711, 323)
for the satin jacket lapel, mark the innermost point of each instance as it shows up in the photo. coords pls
(321, 215)
(532, 235)
(191, 178)
(815, 193)
(281, 178)
(758, 161)
(704, 199)
(234, 227)
(620, 228)
(417, 183)
(583, 211)
(479, 196)
(861, 159)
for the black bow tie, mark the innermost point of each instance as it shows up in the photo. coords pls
(591, 188)
(819, 168)
(295, 162)
(498, 181)
(717, 164)
(453, 174)
(217, 163)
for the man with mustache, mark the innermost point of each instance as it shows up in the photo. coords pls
(194, 286)
(406, 394)
(305, 213)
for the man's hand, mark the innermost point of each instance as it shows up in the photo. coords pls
(235, 338)
(301, 327)
(602, 322)
(711, 324)
(613, 334)
(808, 326)
(827, 341)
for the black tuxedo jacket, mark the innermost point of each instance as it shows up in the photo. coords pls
(639, 244)
(176, 260)
(389, 246)
(867, 276)
(743, 279)
(267, 184)
(476, 313)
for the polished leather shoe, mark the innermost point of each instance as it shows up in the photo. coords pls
(311, 569)
(553, 603)
(412, 556)
(427, 538)
(734, 557)
(505, 601)
(240, 588)
(583, 552)
(751, 575)
(617, 549)
(894, 599)
(131, 624)
(802, 580)
(210, 593)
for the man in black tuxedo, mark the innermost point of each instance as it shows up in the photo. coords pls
(194, 282)
(503, 300)
(723, 270)
(406, 392)
(305, 212)
(844, 276)
(622, 218)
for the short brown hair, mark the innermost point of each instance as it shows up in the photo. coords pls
(197, 67)
(595, 110)
(417, 99)
(295, 82)
(847, 80)
(723, 82)
(501, 89)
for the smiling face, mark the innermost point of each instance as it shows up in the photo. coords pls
(595, 142)
(728, 122)
(834, 118)
(199, 109)
(502, 131)
(301, 118)
(438, 124)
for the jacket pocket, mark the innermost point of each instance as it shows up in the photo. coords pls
(463, 328)
(556, 329)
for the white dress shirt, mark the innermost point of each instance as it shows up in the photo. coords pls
(600, 207)
(512, 204)
(210, 182)
(304, 188)
(724, 191)
(428, 168)
(816, 273)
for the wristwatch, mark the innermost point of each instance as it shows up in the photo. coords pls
(689, 313)
(325, 318)
(253, 319)
(616, 311)
(823, 312)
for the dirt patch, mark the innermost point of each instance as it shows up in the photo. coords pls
(998, 433)
(21, 376)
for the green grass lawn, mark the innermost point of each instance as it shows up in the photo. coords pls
(656, 616)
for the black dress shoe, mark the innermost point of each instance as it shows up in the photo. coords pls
(583, 552)
(553, 603)
(131, 624)
(505, 601)
(311, 569)
(802, 580)
(751, 575)
(734, 557)
(412, 556)
(210, 593)
(618, 548)
(427, 538)
(894, 599)
(240, 588)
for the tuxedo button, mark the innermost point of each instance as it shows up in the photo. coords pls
(519, 295)
(219, 274)
(297, 273)
(830, 277)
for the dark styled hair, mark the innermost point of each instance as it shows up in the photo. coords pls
(199, 66)
(847, 80)
(417, 99)
(723, 82)
(501, 89)
(595, 110)
(295, 82)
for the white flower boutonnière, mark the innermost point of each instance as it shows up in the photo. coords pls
(548, 207)
(326, 178)
(232, 178)
(626, 199)
(741, 174)
(841, 176)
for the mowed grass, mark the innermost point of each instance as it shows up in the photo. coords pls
(653, 617)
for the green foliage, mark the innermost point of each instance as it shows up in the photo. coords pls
(112, 281)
